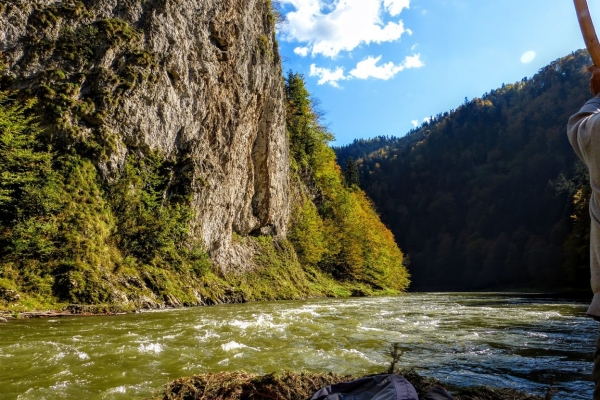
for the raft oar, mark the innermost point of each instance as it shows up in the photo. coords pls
(588, 31)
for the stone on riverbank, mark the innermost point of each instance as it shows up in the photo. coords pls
(8, 295)
(301, 386)
(240, 385)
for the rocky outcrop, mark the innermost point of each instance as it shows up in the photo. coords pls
(197, 80)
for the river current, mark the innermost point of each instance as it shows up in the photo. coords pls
(519, 341)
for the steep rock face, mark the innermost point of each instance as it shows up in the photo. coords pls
(209, 97)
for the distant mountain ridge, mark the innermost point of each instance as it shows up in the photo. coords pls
(489, 195)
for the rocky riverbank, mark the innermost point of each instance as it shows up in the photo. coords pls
(301, 386)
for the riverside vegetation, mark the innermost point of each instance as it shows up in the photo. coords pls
(71, 233)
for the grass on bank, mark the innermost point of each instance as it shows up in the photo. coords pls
(278, 276)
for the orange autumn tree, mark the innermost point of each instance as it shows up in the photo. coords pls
(334, 226)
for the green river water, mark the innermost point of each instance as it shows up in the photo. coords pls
(519, 341)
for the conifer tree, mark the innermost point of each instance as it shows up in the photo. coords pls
(304, 130)
(25, 163)
(351, 173)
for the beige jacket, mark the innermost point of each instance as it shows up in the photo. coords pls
(584, 134)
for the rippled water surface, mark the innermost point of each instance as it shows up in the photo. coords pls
(467, 339)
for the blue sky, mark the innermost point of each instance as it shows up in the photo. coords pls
(380, 67)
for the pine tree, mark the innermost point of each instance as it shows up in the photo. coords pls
(25, 163)
(351, 173)
(305, 133)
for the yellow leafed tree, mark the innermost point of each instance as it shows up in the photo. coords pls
(335, 227)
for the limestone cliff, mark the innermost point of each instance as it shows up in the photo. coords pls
(197, 80)
(151, 154)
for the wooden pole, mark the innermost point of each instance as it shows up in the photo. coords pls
(588, 31)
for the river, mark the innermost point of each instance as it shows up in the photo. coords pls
(519, 341)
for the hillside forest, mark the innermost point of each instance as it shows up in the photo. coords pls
(489, 195)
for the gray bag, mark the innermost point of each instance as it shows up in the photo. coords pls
(378, 387)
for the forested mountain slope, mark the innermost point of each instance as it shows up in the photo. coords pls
(489, 195)
(152, 154)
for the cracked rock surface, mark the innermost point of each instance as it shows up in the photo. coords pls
(214, 94)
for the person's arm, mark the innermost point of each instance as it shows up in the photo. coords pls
(581, 126)
(587, 120)
(584, 134)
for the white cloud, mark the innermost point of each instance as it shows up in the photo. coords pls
(395, 7)
(301, 51)
(368, 67)
(426, 119)
(326, 75)
(528, 57)
(327, 28)
(415, 122)
(365, 69)
(413, 61)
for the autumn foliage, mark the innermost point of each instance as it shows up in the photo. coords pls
(334, 225)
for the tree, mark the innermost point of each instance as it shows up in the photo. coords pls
(336, 227)
(304, 129)
(351, 173)
(25, 162)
